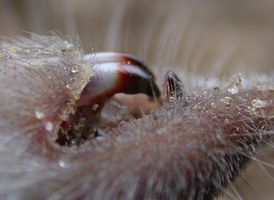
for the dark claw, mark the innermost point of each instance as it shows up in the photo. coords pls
(174, 87)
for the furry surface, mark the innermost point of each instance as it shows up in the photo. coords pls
(204, 42)
(177, 152)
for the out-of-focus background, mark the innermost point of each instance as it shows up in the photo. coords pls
(205, 37)
(209, 39)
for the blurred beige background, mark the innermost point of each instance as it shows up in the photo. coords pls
(208, 39)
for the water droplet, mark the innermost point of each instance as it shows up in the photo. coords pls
(69, 46)
(74, 69)
(95, 107)
(49, 126)
(62, 163)
(233, 90)
(39, 114)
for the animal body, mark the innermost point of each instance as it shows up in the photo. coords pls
(170, 42)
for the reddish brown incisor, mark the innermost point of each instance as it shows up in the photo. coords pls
(117, 73)
(114, 73)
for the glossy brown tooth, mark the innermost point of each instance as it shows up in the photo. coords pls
(117, 73)
(104, 57)
(135, 79)
(130, 59)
